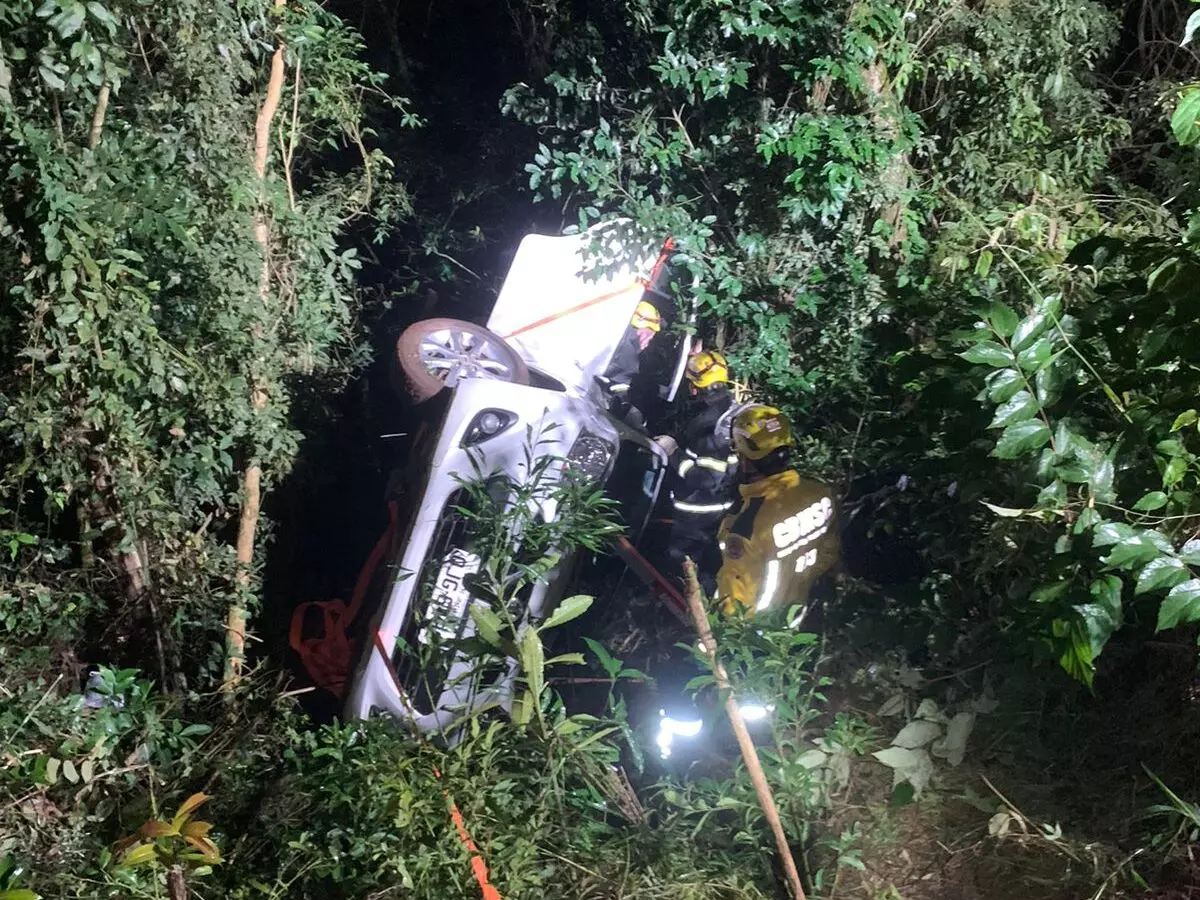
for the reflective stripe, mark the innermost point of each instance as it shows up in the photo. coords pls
(770, 584)
(618, 388)
(683, 506)
(704, 462)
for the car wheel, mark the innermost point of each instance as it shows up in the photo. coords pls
(437, 353)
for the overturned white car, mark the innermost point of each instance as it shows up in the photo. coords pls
(552, 331)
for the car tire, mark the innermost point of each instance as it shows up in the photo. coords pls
(479, 354)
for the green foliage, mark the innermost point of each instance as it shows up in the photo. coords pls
(781, 147)
(135, 317)
(1102, 422)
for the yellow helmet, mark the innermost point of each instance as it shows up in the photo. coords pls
(706, 368)
(760, 430)
(646, 316)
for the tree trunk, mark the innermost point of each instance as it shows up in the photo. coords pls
(885, 115)
(252, 480)
(97, 128)
(177, 888)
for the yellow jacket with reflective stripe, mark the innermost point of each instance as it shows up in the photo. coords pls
(776, 542)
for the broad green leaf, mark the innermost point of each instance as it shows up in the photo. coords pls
(1053, 495)
(1048, 593)
(1002, 384)
(138, 856)
(487, 624)
(533, 661)
(1047, 461)
(608, 662)
(1190, 552)
(101, 14)
(1098, 625)
(1189, 30)
(1001, 315)
(1048, 383)
(1050, 306)
(1184, 120)
(1174, 471)
(1035, 356)
(1019, 407)
(1187, 418)
(1181, 606)
(1152, 501)
(1021, 438)
(522, 708)
(1106, 593)
(51, 78)
(1076, 642)
(988, 353)
(1164, 572)
(19, 894)
(1133, 551)
(1111, 533)
(573, 659)
(1029, 330)
(1100, 479)
(983, 265)
(569, 609)
(1087, 519)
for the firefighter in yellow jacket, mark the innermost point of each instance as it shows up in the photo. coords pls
(781, 535)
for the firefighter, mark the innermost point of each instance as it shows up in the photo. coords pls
(618, 377)
(781, 535)
(704, 466)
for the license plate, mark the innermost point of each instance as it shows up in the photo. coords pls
(449, 596)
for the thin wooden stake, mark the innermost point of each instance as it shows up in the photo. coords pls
(709, 645)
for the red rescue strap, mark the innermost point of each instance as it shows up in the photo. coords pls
(654, 579)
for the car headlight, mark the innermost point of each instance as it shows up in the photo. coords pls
(486, 425)
(590, 456)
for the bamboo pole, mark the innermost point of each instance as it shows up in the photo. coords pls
(709, 645)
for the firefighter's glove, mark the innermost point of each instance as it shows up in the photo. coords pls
(667, 444)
